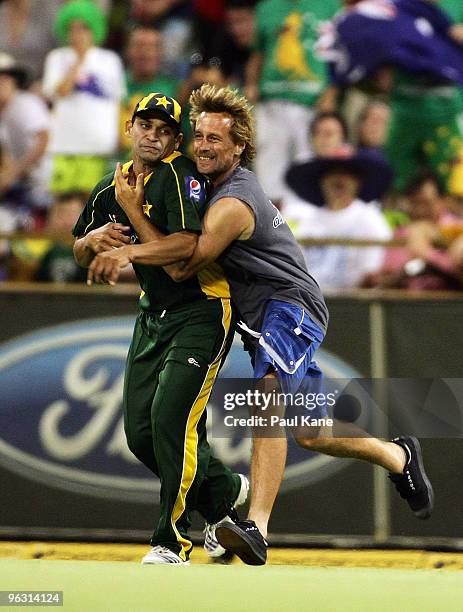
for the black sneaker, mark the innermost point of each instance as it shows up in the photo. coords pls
(413, 484)
(244, 539)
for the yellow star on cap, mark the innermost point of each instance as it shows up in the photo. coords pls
(146, 209)
(162, 102)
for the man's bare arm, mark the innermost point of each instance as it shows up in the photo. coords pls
(106, 266)
(227, 220)
(106, 238)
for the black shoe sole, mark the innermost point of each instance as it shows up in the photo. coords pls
(425, 512)
(234, 539)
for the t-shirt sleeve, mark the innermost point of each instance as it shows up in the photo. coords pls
(94, 214)
(184, 196)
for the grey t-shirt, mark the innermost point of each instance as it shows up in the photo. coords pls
(270, 264)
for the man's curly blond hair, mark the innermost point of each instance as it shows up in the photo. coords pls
(211, 99)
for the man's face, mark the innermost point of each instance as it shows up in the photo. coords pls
(62, 216)
(239, 22)
(79, 34)
(152, 139)
(144, 53)
(327, 137)
(338, 184)
(213, 148)
(373, 129)
(425, 203)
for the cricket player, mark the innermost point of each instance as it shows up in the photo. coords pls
(282, 311)
(183, 331)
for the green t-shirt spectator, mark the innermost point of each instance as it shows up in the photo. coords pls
(286, 31)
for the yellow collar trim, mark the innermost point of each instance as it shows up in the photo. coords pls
(127, 166)
(171, 157)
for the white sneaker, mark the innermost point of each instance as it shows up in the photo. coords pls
(211, 544)
(161, 554)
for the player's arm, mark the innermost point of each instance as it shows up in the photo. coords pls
(93, 234)
(105, 238)
(166, 250)
(226, 220)
(156, 249)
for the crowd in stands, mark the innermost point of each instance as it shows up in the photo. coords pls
(357, 137)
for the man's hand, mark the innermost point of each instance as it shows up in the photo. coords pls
(106, 267)
(108, 237)
(129, 198)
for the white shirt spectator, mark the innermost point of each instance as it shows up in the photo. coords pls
(339, 267)
(23, 117)
(86, 122)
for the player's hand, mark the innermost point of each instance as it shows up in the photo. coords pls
(128, 197)
(106, 267)
(108, 237)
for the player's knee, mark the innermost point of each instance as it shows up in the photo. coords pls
(142, 448)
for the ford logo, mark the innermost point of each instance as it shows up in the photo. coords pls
(61, 418)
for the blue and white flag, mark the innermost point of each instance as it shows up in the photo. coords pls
(409, 34)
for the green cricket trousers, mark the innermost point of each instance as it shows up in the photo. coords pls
(172, 363)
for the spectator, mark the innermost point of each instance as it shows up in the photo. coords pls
(26, 31)
(288, 80)
(340, 181)
(44, 260)
(429, 260)
(24, 123)
(85, 84)
(375, 183)
(144, 56)
(373, 125)
(172, 17)
(412, 50)
(201, 71)
(57, 264)
(328, 133)
(233, 43)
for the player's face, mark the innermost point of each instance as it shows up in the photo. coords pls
(214, 150)
(152, 139)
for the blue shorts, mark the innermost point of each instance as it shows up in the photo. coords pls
(288, 341)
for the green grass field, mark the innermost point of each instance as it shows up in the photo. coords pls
(93, 586)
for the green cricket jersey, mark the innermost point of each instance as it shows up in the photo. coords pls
(174, 201)
(286, 31)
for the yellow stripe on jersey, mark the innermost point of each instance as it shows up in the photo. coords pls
(168, 160)
(190, 450)
(93, 206)
(213, 282)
